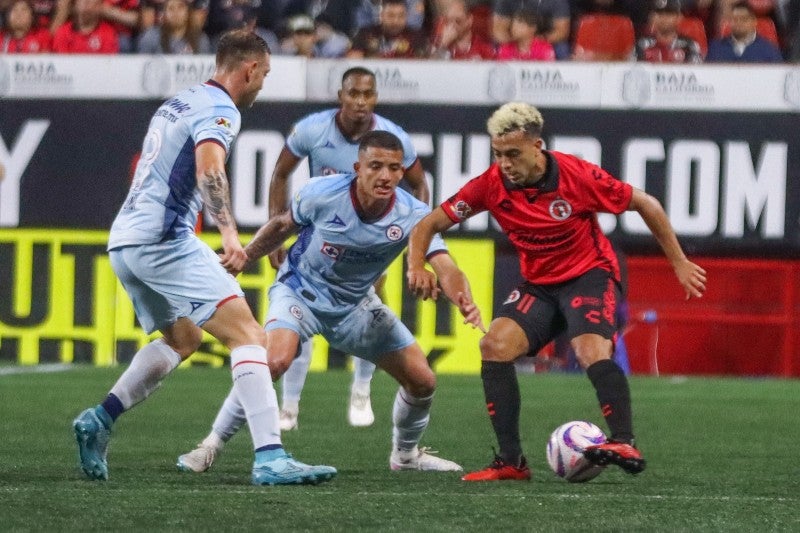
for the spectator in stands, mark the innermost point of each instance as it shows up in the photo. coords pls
(338, 14)
(234, 15)
(124, 16)
(456, 40)
(743, 45)
(368, 14)
(526, 43)
(392, 38)
(87, 32)
(175, 34)
(313, 40)
(665, 44)
(152, 11)
(19, 36)
(554, 14)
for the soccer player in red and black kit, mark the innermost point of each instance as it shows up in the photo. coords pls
(546, 202)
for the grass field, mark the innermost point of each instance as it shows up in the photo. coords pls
(722, 457)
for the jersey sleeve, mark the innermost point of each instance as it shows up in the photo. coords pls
(299, 139)
(437, 246)
(469, 200)
(303, 205)
(219, 124)
(604, 192)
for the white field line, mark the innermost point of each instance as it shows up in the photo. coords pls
(35, 369)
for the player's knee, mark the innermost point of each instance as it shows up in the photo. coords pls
(184, 342)
(494, 348)
(278, 363)
(422, 386)
(590, 349)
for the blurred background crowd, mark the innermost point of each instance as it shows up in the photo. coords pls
(666, 31)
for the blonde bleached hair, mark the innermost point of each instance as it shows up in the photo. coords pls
(515, 116)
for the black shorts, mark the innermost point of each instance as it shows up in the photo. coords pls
(586, 304)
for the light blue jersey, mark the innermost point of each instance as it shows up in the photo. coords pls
(164, 200)
(329, 152)
(338, 256)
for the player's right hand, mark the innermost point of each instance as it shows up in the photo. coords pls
(422, 283)
(277, 257)
(233, 257)
(692, 277)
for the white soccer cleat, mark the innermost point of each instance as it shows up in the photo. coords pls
(421, 459)
(287, 419)
(198, 460)
(360, 414)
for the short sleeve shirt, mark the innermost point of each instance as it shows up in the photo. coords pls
(553, 225)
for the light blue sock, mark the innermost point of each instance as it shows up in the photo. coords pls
(269, 453)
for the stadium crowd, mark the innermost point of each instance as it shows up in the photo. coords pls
(670, 31)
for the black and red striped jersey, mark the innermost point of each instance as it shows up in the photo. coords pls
(553, 225)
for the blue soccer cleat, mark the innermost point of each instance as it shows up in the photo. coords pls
(287, 470)
(92, 436)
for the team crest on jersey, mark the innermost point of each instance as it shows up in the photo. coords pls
(461, 209)
(296, 312)
(560, 209)
(513, 297)
(394, 233)
(224, 122)
(331, 250)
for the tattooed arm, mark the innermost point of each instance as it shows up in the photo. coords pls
(271, 235)
(213, 184)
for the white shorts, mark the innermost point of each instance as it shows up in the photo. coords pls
(173, 279)
(369, 330)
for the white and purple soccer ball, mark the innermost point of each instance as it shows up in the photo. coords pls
(565, 450)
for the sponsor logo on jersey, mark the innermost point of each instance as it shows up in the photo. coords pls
(560, 209)
(394, 233)
(331, 250)
(336, 221)
(513, 297)
(296, 312)
(195, 305)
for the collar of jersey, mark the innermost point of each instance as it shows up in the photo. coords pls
(549, 181)
(360, 210)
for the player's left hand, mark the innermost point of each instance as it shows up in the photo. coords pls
(470, 311)
(422, 283)
(692, 277)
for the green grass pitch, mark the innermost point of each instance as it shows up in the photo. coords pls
(722, 456)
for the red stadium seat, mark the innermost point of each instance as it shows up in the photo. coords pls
(601, 37)
(693, 27)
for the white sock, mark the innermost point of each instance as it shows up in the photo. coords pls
(253, 388)
(362, 375)
(148, 368)
(230, 419)
(410, 416)
(294, 379)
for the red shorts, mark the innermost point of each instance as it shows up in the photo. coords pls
(586, 304)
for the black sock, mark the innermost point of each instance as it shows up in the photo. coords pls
(614, 396)
(501, 389)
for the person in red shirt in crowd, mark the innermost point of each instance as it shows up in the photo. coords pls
(391, 38)
(665, 44)
(456, 39)
(547, 203)
(86, 33)
(19, 36)
(526, 44)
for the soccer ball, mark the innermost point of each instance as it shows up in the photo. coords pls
(565, 451)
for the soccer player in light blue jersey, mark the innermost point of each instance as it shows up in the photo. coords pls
(329, 139)
(350, 228)
(177, 283)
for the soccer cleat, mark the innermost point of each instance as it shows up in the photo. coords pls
(421, 459)
(621, 454)
(287, 419)
(500, 470)
(92, 436)
(198, 460)
(360, 414)
(287, 470)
